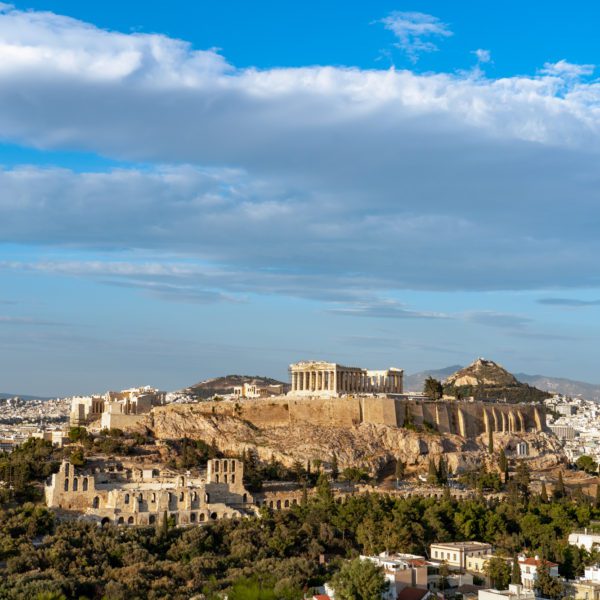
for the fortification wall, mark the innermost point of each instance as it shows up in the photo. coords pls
(467, 419)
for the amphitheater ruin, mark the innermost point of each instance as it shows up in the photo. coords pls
(141, 496)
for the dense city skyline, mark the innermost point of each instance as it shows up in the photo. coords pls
(399, 184)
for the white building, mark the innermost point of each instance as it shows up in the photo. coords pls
(514, 592)
(529, 569)
(584, 540)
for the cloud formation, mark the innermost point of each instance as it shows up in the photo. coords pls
(569, 302)
(315, 182)
(414, 31)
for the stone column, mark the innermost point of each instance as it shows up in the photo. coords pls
(333, 382)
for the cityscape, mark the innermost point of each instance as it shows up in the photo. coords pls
(300, 300)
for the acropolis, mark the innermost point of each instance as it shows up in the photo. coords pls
(327, 379)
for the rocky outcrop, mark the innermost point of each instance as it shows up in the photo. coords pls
(366, 445)
(482, 372)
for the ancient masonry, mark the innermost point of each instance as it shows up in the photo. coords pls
(467, 419)
(114, 410)
(325, 379)
(142, 496)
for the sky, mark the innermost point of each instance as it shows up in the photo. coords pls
(191, 189)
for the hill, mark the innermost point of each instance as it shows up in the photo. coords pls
(485, 379)
(561, 385)
(224, 385)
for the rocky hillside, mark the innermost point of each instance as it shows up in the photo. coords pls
(486, 379)
(224, 385)
(366, 445)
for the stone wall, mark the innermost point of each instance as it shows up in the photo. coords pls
(467, 419)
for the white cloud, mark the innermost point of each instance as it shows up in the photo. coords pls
(313, 182)
(413, 31)
(567, 70)
(483, 56)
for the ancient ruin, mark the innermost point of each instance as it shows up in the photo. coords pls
(114, 410)
(142, 496)
(326, 379)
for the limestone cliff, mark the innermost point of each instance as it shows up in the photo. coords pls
(366, 445)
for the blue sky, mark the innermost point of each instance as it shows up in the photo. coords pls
(193, 189)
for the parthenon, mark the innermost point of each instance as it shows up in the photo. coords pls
(319, 378)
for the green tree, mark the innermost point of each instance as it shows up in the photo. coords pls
(443, 573)
(400, 469)
(499, 572)
(515, 575)
(432, 472)
(433, 388)
(559, 489)
(587, 464)
(491, 441)
(546, 585)
(502, 461)
(544, 493)
(359, 580)
(335, 469)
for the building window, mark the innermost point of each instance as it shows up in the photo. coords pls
(75, 484)
(126, 498)
(85, 484)
(232, 478)
(66, 485)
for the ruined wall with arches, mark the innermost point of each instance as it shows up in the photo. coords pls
(128, 500)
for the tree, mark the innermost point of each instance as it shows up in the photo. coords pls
(491, 441)
(587, 464)
(359, 580)
(503, 461)
(432, 473)
(433, 388)
(443, 575)
(400, 469)
(335, 469)
(442, 471)
(546, 585)
(522, 479)
(544, 493)
(499, 572)
(515, 576)
(559, 490)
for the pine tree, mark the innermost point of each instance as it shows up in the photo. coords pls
(442, 471)
(544, 493)
(491, 441)
(335, 470)
(515, 577)
(559, 490)
(432, 472)
(503, 461)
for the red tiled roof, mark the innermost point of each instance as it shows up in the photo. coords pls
(321, 597)
(411, 593)
(536, 563)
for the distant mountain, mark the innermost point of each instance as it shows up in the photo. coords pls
(5, 395)
(554, 385)
(414, 382)
(560, 385)
(225, 385)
